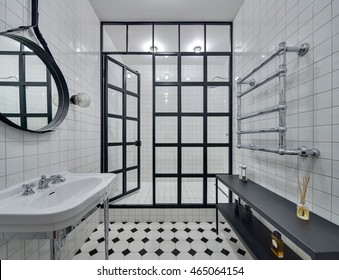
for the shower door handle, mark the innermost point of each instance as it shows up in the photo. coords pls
(137, 143)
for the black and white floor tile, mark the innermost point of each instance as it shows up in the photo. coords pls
(164, 241)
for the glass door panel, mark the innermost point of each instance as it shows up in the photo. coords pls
(121, 153)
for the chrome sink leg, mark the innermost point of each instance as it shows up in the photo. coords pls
(55, 245)
(106, 227)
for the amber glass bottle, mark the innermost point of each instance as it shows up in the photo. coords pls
(277, 245)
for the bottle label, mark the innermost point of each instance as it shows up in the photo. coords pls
(274, 243)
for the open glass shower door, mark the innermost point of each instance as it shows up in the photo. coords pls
(121, 126)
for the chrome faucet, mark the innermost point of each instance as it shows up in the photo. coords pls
(53, 179)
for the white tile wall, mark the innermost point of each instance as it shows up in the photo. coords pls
(312, 95)
(71, 29)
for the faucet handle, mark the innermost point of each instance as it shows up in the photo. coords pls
(28, 189)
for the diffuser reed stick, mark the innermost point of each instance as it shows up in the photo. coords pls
(302, 210)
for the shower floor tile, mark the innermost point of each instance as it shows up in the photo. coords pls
(164, 241)
(144, 195)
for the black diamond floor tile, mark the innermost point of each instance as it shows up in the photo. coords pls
(110, 252)
(160, 239)
(241, 252)
(161, 223)
(134, 230)
(145, 240)
(161, 230)
(204, 239)
(115, 240)
(95, 230)
(233, 240)
(148, 223)
(124, 223)
(137, 223)
(93, 252)
(147, 230)
(218, 239)
(201, 230)
(185, 223)
(142, 252)
(159, 252)
(214, 229)
(227, 230)
(189, 240)
(174, 230)
(175, 252)
(78, 252)
(174, 240)
(225, 252)
(173, 223)
(120, 230)
(87, 240)
(208, 252)
(192, 252)
(187, 230)
(101, 240)
(130, 240)
(126, 252)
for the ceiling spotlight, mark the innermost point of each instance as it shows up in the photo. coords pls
(197, 49)
(129, 76)
(166, 56)
(187, 78)
(153, 49)
(158, 78)
(166, 76)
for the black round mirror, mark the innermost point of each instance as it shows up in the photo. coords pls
(33, 92)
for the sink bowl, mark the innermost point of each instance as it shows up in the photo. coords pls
(56, 207)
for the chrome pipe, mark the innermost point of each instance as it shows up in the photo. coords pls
(239, 115)
(267, 111)
(302, 151)
(282, 93)
(266, 61)
(263, 130)
(301, 50)
(273, 76)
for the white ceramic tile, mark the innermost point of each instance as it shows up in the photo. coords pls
(320, 4)
(335, 168)
(323, 133)
(323, 100)
(335, 8)
(321, 18)
(335, 205)
(323, 117)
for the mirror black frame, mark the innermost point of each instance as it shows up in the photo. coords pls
(59, 80)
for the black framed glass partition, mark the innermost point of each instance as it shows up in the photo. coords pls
(191, 103)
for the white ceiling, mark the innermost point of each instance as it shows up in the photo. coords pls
(166, 10)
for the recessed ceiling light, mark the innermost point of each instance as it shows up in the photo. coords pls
(197, 49)
(153, 49)
(166, 76)
(129, 76)
(158, 78)
(187, 78)
(166, 56)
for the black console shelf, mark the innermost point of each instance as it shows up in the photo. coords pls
(318, 237)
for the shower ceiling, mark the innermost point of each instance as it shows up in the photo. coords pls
(170, 10)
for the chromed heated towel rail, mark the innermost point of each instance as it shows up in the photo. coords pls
(280, 108)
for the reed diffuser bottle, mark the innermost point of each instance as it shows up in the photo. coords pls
(302, 210)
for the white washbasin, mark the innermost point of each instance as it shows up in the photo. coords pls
(56, 207)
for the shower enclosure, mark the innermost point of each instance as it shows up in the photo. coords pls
(191, 106)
